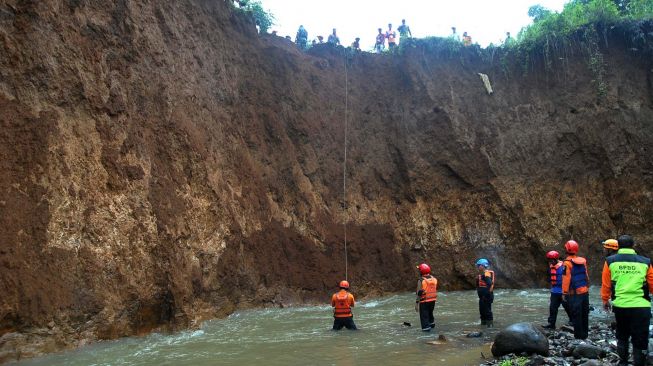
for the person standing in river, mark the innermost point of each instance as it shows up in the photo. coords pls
(342, 302)
(556, 271)
(485, 291)
(627, 280)
(575, 289)
(427, 294)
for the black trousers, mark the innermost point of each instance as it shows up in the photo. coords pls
(579, 306)
(426, 315)
(633, 323)
(485, 300)
(554, 305)
(348, 323)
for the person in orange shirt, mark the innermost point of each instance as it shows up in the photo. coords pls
(467, 39)
(391, 36)
(627, 280)
(342, 302)
(575, 289)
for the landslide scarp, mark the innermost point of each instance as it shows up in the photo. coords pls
(163, 164)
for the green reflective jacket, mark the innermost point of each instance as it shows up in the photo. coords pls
(628, 277)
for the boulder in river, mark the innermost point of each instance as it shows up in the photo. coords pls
(520, 338)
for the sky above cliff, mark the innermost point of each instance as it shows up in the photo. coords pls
(485, 20)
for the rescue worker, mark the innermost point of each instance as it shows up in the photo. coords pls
(427, 294)
(301, 38)
(380, 41)
(575, 289)
(404, 30)
(356, 45)
(342, 302)
(392, 37)
(485, 291)
(333, 38)
(467, 39)
(610, 247)
(627, 279)
(556, 271)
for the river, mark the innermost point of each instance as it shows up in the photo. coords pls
(302, 336)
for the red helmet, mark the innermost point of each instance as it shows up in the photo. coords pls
(344, 284)
(552, 255)
(424, 268)
(571, 247)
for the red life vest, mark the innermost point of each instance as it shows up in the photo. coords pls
(429, 289)
(553, 271)
(481, 279)
(342, 307)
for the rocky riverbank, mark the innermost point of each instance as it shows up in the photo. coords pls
(598, 349)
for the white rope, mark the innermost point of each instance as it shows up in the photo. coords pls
(344, 170)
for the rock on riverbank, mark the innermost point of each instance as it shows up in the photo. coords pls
(597, 349)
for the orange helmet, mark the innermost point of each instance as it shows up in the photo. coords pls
(571, 247)
(611, 244)
(552, 255)
(424, 269)
(344, 284)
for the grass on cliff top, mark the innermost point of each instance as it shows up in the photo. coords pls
(580, 23)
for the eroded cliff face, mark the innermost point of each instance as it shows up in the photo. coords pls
(163, 164)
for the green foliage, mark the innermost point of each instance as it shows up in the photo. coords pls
(639, 9)
(253, 8)
(579, 27)
(519, 361)
(538, 12)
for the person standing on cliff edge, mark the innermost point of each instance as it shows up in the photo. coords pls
(485, 291)
(556, 272)
(427, 294)
(575, 289)
(342, 302)
(333, 39)
(627, 279)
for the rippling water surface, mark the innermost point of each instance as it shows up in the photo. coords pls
(302, 335)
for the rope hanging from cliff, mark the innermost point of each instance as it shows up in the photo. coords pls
(344, 168)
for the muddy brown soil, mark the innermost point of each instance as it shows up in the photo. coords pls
(163, 164)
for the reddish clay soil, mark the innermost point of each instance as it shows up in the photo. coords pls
(163, 164)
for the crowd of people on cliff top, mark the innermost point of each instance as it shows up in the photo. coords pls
(626, 284)
(388, 39)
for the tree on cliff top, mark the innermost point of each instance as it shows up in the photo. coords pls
(577, 14)
(262, 18)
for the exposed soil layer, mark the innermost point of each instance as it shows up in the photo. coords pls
(162, 164)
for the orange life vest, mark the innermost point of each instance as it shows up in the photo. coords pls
(342, 306)
(481, 279)
(553, 272)
(429, 289)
